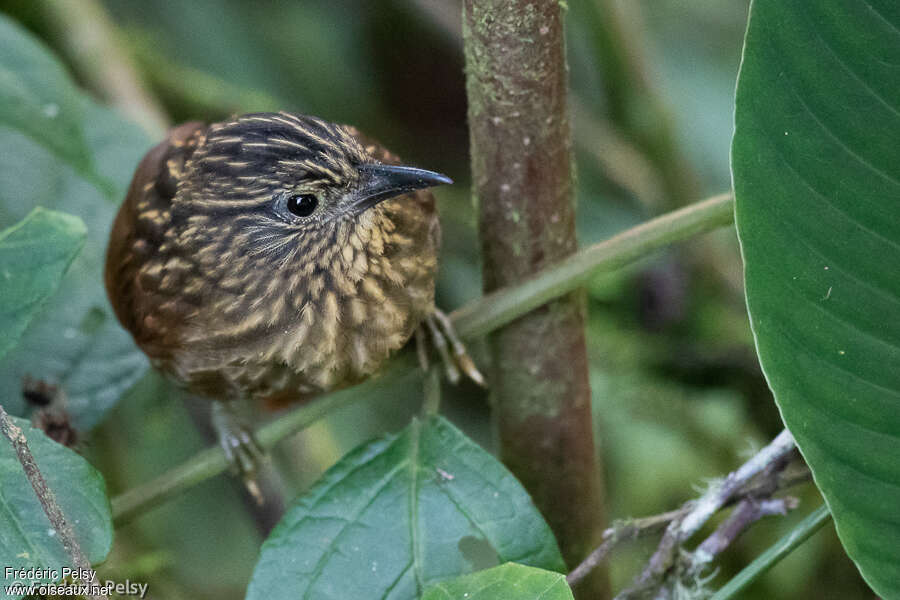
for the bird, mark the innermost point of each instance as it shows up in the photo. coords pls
(272, 257)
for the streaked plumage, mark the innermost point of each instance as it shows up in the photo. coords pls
(234, 297)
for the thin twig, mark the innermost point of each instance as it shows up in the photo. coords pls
(470, 321)
(747, 512)
(211, 461)
(632, 529)
(620, 532)
(713, 500)
(45, 495)
(796, 536)
(719, 494)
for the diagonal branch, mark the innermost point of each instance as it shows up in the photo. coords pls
(758, 491)
(470, 321)
(718, 495)
(784, 546)
(621, 532)
(745, 514)
(502, 306)
(45, 495)
(770, 459)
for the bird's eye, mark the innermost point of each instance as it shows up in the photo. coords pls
(302, 205)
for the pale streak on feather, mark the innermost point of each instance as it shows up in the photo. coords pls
(288, 143)
(356, 277)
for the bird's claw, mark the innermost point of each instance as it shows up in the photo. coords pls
(450, 348)
(242, 451)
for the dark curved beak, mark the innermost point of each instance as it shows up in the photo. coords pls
(380, 182)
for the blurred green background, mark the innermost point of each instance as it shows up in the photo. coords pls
(678, 395)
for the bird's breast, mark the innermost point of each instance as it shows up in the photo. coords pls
(322, 320)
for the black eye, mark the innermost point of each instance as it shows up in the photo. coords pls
(302, 205)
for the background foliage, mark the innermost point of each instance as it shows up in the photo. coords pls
(677, 391)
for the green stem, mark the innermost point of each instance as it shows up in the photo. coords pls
(432, 392)
(210, 462)
(471, 321)
(765, 561)
(502, 306)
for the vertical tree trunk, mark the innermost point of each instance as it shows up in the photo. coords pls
(516, 78)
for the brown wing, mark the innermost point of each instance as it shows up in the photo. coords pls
(140, 226)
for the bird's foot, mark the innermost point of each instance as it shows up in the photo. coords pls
(450, 348)
(242, 451)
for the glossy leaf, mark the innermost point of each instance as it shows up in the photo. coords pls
(817, 180)
(26, 537)
(64, 152)
(34, 256)
(506, 582)
(398, 514)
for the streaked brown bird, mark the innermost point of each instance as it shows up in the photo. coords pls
(273, 257)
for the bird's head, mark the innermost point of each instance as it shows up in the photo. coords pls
(277, 178)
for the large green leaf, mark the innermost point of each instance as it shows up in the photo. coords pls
(401, 513)
(506, 582)
(27, 539)
(37, 98)
(34, 255)
(816, 161)
(60, 150)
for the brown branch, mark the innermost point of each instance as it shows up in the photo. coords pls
(45, 495)
(622, 162)
(516, 80)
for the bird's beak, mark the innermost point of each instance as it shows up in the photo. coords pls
(380, 182)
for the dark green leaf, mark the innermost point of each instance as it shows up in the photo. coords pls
(506, 582)
(817, 178)
(399, 514)
(34, 255)
(28, 539)
(80, 163)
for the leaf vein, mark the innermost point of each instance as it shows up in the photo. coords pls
(841, 144)
(323, 560)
